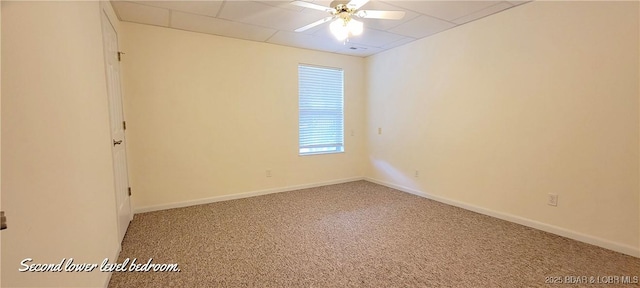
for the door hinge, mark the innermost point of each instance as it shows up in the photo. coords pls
(124, 125)
(3, 221)
(120, 56)
(129, 189)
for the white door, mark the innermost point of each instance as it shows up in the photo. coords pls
(123, 202)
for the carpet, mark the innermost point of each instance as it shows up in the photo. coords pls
(356, 234)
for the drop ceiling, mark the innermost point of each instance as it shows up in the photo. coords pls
(275, 21)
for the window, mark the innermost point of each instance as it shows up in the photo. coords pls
(321, 116)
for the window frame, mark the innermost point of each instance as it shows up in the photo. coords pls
(339, 147)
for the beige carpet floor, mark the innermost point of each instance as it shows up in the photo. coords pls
(356, 234)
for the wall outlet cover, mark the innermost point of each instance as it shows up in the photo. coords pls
(553, 199)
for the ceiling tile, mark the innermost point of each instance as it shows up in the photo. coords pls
(305, 41)
(208, 8)
(519, 2)
(282, 4)
(400, 42)
(445, 10)
(239, 10)
(133, 12)
(204, 24)
(384, 24)
(359, 50)
(260, 14)
(484, 12)
(422, 26)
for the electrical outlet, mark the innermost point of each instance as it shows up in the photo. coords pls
(553, 200)
(416, 174)
(353, 132)
(268, 173)
(379, 130)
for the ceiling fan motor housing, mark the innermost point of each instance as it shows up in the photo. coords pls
(343, 11)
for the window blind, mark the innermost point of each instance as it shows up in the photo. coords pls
(321, 113)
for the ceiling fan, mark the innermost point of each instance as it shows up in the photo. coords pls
(344, 11)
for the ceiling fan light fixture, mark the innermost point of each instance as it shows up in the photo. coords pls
(355, 27)
(342, 28)
(339, 29)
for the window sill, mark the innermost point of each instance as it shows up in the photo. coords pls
(320, 153)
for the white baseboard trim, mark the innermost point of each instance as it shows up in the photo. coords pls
(208, 200)
(622, 248)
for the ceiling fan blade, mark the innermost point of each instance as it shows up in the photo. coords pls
(312, 6)
(379, 14)
(314, 24)
(356, 4)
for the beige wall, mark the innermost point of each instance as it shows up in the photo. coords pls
(1, 136)
(57, 177)
(208, 115)
(498, 113)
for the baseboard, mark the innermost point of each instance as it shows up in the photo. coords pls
(240, 195)
(622, 248)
